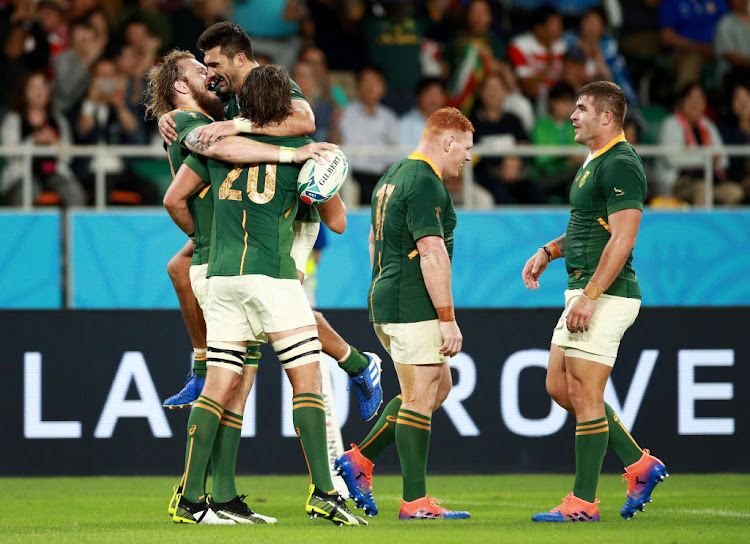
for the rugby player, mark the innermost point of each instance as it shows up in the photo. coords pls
(254, 296)
(602, 301)
(411, 308)
(229, 57)
(180, 82)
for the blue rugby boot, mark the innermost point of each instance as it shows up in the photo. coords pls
(189, 393)
(356, 471)
(642, 477)
(368, 387)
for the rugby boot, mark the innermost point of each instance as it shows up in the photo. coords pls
(571, 509)
(197, 512)
(189, 393)
(176, 492)
(356, 470)
(331, 507)
(642, 477)
(238, 511)
(428, 508)
(368, 388)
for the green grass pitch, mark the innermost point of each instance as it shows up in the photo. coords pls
(702, 508)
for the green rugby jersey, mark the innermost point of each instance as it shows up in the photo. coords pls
(612, 181)
(254, 208)
(201, 205)
(409, 202)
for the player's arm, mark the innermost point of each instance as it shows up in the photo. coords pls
(436, 271)
(300, 122)
(623, 226)
(333, 214)
(185, 183)
(167, 127)
(538, 262)
(241, 150)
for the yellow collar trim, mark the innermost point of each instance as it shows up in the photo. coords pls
(612, 142)
(419, 157)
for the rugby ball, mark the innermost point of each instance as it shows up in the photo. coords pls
(319, 182)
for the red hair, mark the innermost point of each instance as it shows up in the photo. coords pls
(447, 120)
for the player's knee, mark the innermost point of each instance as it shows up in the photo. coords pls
(173, 268)
(442, 394)
(298, 350)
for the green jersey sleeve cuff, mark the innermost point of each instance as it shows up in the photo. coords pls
(427, 231)
(625, 205)
(197, 166)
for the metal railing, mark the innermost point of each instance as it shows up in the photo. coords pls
(392, 153)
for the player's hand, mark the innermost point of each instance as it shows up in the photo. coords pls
(316, 150)
(579, 316)
(452, 338)
(209, 134)
(167, 127)
(533, 269)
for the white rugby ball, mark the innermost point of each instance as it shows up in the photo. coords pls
(319, 182)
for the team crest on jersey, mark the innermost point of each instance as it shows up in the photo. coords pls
(583, 179)
(193, 114)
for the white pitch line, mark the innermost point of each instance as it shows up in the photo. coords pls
(709, 511)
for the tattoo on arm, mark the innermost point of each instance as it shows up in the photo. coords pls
(561, 245)
(191, 140)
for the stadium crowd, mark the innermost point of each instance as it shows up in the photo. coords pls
(373, 71)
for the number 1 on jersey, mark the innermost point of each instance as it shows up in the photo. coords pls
(383, 194)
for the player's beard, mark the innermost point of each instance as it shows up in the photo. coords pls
(208, 102)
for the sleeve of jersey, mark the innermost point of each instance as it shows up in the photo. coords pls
(297, 92)
(197, 163)
(186, 121)
(424, 216)
(624, 185)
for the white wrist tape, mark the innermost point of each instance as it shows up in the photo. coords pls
(243, 125)
(286, 154)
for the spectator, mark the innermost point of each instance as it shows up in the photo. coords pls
(24, 45)
(736, 131)
(51, 16)
(481, 198)
(537, 55)
(316, 58)
(33, 122)
(274, 27)
(556, 172)
(603, 58)
(640, 29)
(158, 24)
(392, 35)
(430, 98)
(99, 19)
(137, 34)
(337, 29)
(367, 122)
(574, 71)
(687, 26)
(326, 111)
(72, 67)
(475, 51)
(193, 18)
(497, 129)
(682, 175)
(106, 118)
(515, 101)
(732, 41)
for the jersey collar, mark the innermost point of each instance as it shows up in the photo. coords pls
(419, 157)
(610, 145)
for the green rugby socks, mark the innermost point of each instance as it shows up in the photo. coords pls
(355, 363)
(413, 443)
(309, 416)
(202, 427)
(383, 433)
(224, 457)
(591, 445)
(620, 440)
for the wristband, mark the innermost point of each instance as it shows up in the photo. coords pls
(552, 250)
(243, 125)
(286, 154)
(592, 291)
(446, 313)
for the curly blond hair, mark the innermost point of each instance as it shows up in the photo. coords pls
(161, 79)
